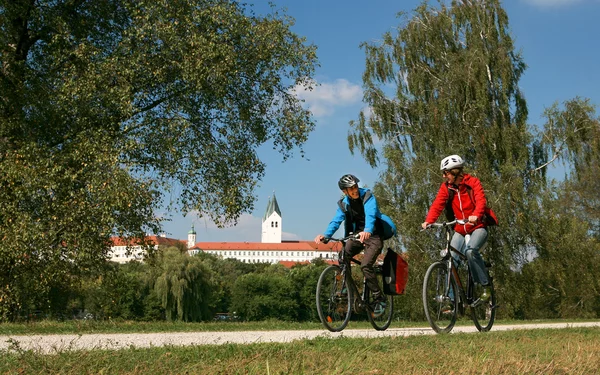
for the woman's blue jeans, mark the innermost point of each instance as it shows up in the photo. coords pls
(471, 251)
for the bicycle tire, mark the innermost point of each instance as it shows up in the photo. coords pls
(333, 304)
(383, 321)
(439, 310)
(483, 313)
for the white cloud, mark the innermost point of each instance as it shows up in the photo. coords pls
(553, 3)
(324, 98)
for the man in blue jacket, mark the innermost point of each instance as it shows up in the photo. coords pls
(360, 212)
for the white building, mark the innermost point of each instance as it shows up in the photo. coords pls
(271, 249)
(123, 251)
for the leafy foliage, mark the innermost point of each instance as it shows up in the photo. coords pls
(447, 83)
(454, 89)
(183, 286)
(262, 296)
(104, 106)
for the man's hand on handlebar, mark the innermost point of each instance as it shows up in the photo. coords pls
(363, 236)
(319, 239)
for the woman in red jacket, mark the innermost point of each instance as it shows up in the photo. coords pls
(468, 204)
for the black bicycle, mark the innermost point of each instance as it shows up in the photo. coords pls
(338, 294)
(444, 296)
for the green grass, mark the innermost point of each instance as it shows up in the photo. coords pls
(544, 351)
(47, 327)
(91, 326)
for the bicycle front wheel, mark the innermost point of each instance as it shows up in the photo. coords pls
(333, 299)
(440, 306)
(382, 318)
(483, 313)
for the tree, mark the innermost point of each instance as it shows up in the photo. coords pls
(447, 83)
(104, 106)
(305, 278)
(261, 296)
(561, 281)
(571, 135)
(183, 284)
(225, 273)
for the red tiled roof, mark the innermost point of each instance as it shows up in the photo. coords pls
(283, 246)
(157, 240)
(290, 263)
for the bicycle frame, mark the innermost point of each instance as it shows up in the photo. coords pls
(442, 277)
(338, 295)
(463, 295)
(360, 298)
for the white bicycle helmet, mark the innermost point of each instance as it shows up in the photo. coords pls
(451, 162)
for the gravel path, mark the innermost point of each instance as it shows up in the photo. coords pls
(49, 344)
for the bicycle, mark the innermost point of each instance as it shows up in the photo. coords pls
(338, 294)
(444, 295)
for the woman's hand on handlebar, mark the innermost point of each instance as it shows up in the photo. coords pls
(425, 225)
(319, 239)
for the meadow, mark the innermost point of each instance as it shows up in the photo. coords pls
(543, 351)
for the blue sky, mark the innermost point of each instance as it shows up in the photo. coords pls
(559, 43)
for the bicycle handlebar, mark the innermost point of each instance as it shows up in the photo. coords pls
(344, 239)
(447, 224)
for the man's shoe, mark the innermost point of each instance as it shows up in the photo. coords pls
(485, 295)
(343, 293)
(378, 309)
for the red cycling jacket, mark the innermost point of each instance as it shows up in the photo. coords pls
(462, 205)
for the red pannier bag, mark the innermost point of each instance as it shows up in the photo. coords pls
(395, 273)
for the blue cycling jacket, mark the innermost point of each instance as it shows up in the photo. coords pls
(372, 214)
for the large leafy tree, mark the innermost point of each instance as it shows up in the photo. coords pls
(447, 83)
(106, 105)
(571, 135)
(560, 281)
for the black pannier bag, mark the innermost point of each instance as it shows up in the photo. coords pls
(395, 273)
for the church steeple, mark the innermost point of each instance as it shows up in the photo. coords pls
(191, 237)
(271, 225)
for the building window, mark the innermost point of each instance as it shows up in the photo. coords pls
(276, 223)
(272, 224)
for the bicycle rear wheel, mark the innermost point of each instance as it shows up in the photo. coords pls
(333, 299)
(483, 313)
(440, 307)
(382, 320)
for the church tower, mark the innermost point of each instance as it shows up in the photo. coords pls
(271, 225)
(191, 238)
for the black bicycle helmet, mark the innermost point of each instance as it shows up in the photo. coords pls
(347, 180)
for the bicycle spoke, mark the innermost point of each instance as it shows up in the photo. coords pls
(440, 310)
(333, 299)
(483, 313)
(382, 318)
